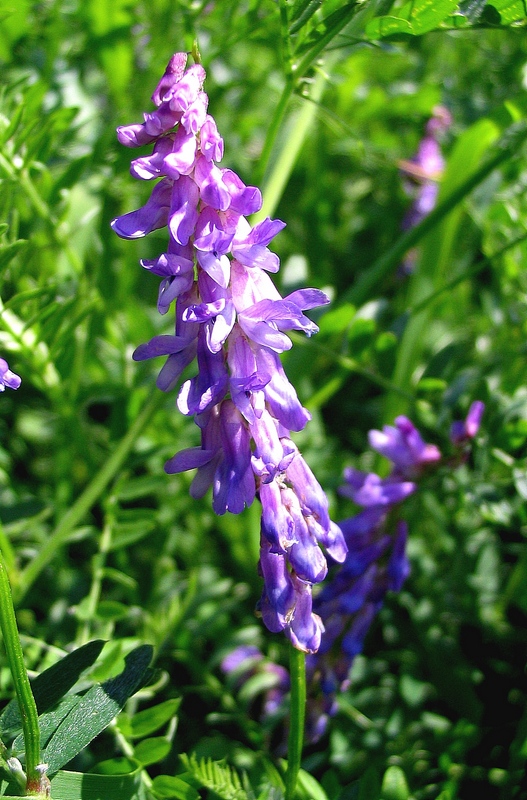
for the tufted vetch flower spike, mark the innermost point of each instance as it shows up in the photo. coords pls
(229, 317)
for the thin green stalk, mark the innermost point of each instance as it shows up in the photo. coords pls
(360, 291)
(297, 714)
(274, 127)
(99, 562)
(283, 166)
(89, 496)
(26, 701)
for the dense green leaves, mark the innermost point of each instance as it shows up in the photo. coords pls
(326, 100)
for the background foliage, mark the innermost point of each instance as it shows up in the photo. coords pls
(101, 544)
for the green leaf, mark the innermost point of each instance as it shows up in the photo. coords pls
(415, 17)
(509, 10)
(394, 785)
(96, 710)
(107, 610)
(173, 787)
(308, 788)
(151, 719)
(48, 722)
(9, 251)
(219, 778)
(151, 751)
(92, 786)
(51, 685)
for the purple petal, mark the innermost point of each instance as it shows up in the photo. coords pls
(173, 73)
(151, 216)
(183, 209)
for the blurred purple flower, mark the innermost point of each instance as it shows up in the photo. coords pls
(230, 316)
(7, 377)
(422, 174)
(463, 431)
(404, 446)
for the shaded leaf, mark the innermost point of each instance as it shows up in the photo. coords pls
(96, 710)
(51, 685)
(173, 787)
(92, 786)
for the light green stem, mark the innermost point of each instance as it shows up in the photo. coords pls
(297, 714)
(86, 500)
(26, 701)
(285, 162)
(99, 562)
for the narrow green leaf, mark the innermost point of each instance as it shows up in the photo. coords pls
(509, 10)
(173, 787)
(150, 720)
(9, 251)
(48, 723)
(220, 778)
(92, 786)
(51, 685)
(130, 532)
(298, 22)
(96, 710)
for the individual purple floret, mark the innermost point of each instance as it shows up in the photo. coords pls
(7, 377)
(462, 431)
(231, 319)
(404, 446)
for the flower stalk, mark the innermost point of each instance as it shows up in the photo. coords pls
(37, 782)
(297, 667)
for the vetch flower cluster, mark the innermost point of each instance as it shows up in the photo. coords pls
(230, 318)
(376, 538)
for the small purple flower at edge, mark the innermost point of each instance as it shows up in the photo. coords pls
(7, 377)
(463, 431)
(231, 318)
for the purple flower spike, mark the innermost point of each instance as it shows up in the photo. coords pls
(7, 377)
(229, 314)
(306, 628)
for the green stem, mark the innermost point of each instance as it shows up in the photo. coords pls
(369, 279)
(297, 670)
(26, 701)
(285, 162)
(86, 500)
(99, 562)
(274, 127)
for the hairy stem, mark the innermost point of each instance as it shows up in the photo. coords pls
(297, 670)
(26, 701)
